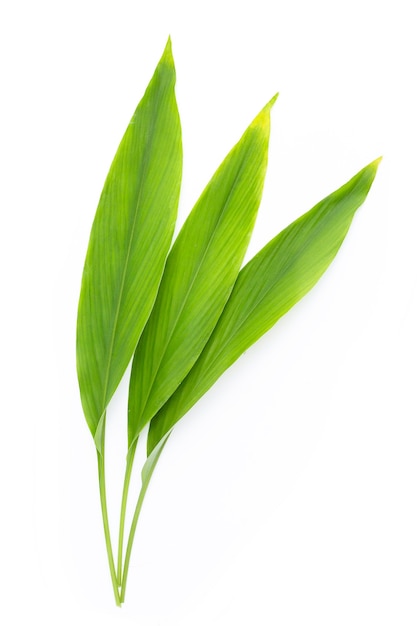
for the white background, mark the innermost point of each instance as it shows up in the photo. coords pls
(288, 495)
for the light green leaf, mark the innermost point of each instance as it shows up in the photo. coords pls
(129, 241)
(267, 287)
(200, 273)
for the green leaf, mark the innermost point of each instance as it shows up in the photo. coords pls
(267, 287)
(200, 273)
(129, 242)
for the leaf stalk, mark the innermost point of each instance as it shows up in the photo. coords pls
(129, 465)
(131, 539)
(104, 513)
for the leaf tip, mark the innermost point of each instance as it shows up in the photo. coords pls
(167, 56)
(272, 101)
(262, 119)
(372, 168)
(267, 108)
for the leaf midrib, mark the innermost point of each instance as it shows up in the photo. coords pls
(244, 159)
(236, 329)
(149, 142)
(242, 322)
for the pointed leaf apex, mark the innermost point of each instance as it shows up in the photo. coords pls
(262, 119)
(376, 162)
(370, 170)
(372, 167)
(272, 102)
(167, 54)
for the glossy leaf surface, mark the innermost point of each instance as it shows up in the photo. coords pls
(200, 273)
(267, 287)
(129, 241)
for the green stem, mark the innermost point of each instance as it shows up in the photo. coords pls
(147, 472)
(131, 539)
(103, 501)
(129, 465)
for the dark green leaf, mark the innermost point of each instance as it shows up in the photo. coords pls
(129, 241)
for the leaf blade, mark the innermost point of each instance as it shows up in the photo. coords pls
(199, 275)
(267, 287)
(129, 241)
